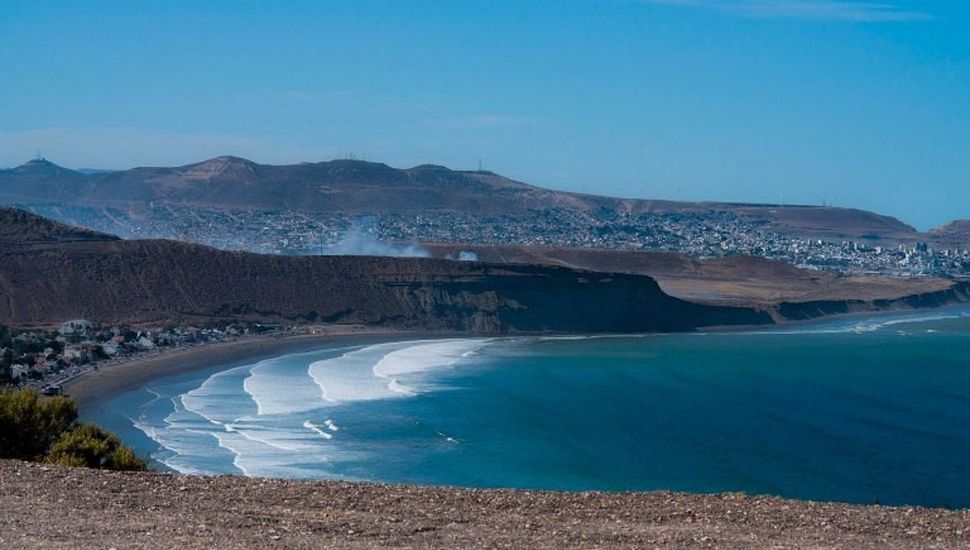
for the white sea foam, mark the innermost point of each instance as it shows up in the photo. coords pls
(255, 458)
(142, 423)
(425, 356)
(782, 332)
(403, 368)
(278, 388)
(157, 397)
(565, 337)
(258, 412)
(282, 448)
(863, 326)
(383, 371)
(211, 408)
(258, 449)
(401, 389)
(314, 428)
(218, 413)
(273, 436)
(877, 324)
(182, 438)
(217, 399)
(447, 437)
(168, 448)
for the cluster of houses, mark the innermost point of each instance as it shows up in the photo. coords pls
(700, 234)
(34, 357)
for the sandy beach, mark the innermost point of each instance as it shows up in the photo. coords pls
(105, 381)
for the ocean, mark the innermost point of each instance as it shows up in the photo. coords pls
(863, 410)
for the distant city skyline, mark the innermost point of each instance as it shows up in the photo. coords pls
(851, 103)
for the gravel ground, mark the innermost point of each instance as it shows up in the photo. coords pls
(53, 507)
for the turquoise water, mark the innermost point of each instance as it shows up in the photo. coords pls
(859, 410)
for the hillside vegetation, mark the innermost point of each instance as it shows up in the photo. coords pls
(47, 430)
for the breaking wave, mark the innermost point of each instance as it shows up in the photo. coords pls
(276, 417)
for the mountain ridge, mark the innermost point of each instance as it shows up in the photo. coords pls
(355, 186)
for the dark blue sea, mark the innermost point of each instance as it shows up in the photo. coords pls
(863, 410)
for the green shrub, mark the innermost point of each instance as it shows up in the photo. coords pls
(45, 429)
(90, 446)
(29, 425)
(125, 459)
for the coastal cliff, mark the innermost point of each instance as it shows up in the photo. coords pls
(51, 272)
(45, 280)
(959, 292)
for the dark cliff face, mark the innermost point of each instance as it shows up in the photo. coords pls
(51, 280)
(50, 272)
(800, 311)
(158, 281)
(534, 298)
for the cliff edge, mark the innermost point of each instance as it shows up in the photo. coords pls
(46, 278)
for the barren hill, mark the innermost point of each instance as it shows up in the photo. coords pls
(50, 272)
(955, 233)
(353, 187)
(335, 186)
(21, 229)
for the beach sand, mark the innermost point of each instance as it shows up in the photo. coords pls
(106, 381)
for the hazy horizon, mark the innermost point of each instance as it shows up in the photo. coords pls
(850, 103)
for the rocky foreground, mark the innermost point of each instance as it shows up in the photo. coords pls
(53, 507)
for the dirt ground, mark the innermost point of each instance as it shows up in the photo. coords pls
(53, 507)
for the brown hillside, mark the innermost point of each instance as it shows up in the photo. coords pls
(354, 187)
(22, 229)
(109, 280)
(955, 233)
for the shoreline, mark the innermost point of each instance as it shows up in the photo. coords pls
(95, 385)
(104, 382)
(109, 382)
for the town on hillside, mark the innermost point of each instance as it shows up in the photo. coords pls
(701, 235)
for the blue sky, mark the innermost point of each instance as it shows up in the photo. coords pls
(863, 104)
